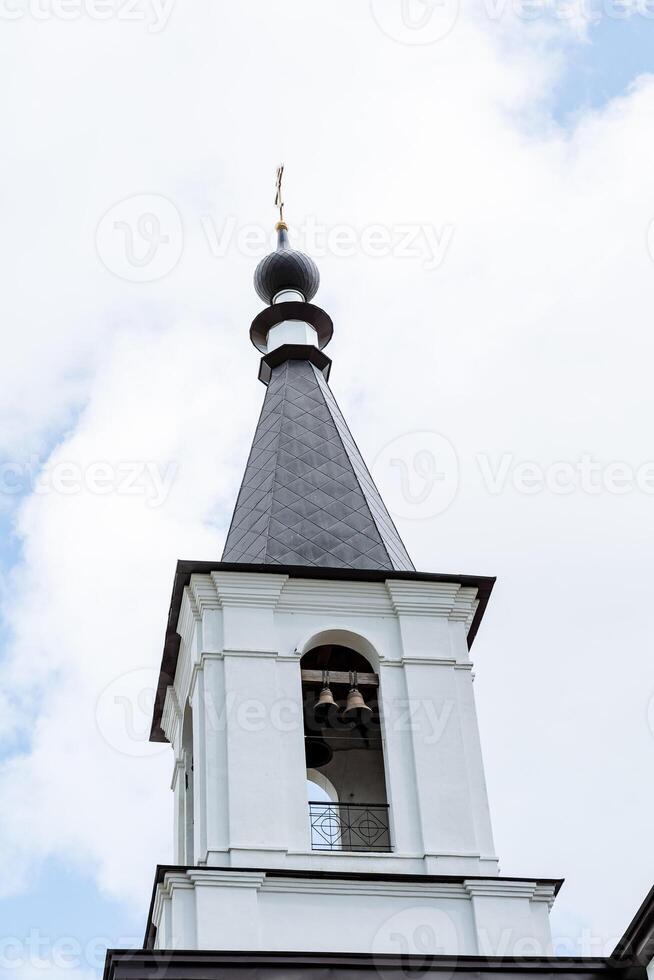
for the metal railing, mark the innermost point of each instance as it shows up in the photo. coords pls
(349, 827)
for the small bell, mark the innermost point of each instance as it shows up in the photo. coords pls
(356, 709)
(325, 709)
(318, 753)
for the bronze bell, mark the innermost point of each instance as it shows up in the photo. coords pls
(318, 753)
(356, 709)
(325, 709)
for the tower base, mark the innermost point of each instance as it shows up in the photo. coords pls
(307, 911)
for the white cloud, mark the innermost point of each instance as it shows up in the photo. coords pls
(533, 337)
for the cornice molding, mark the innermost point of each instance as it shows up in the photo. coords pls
(189, 617)
(171, 717)
(365, 888)
(257, 654)
(465, 607)
(164, 892)
(248, 589)
(235, 879)
(464, 889)
(421, 662)
(544, 893)
(448, 600)
(335, 597)
(204, 593)
(500, 888)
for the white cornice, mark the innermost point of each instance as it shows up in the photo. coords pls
(411, 598)
(236, 879)
(268, 881)
(499, 888)
(394, 597)
(172, 881)
(422, 661)
(204, 592)
(448, 600)
(189, 617)
(465, 606)
(545, 893)
(171, 716)
(234, 652)
(321, 886)
(248, 588)
(335, 598)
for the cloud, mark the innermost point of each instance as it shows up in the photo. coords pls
(532, 336)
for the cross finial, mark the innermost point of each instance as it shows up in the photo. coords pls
(279, 199)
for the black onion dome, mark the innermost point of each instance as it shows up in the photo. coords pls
(286, 269)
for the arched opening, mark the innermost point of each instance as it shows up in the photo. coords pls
(344, 750)
(319, 788)
(187, 747)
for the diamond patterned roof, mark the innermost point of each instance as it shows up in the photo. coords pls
(307, 497)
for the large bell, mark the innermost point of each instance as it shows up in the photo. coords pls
(325, 710)
(318, 753)
(356, 709)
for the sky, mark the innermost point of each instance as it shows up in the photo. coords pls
(475, 185)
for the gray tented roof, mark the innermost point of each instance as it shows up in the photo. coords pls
(307, 497)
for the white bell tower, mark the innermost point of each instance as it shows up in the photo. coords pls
(317, 693)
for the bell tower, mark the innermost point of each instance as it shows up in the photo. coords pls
(317, 694)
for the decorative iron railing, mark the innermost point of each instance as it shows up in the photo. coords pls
(349, 827)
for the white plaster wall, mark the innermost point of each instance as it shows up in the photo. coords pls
(211, 909)
(242, 637)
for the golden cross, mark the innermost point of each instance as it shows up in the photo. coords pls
(279, 200)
